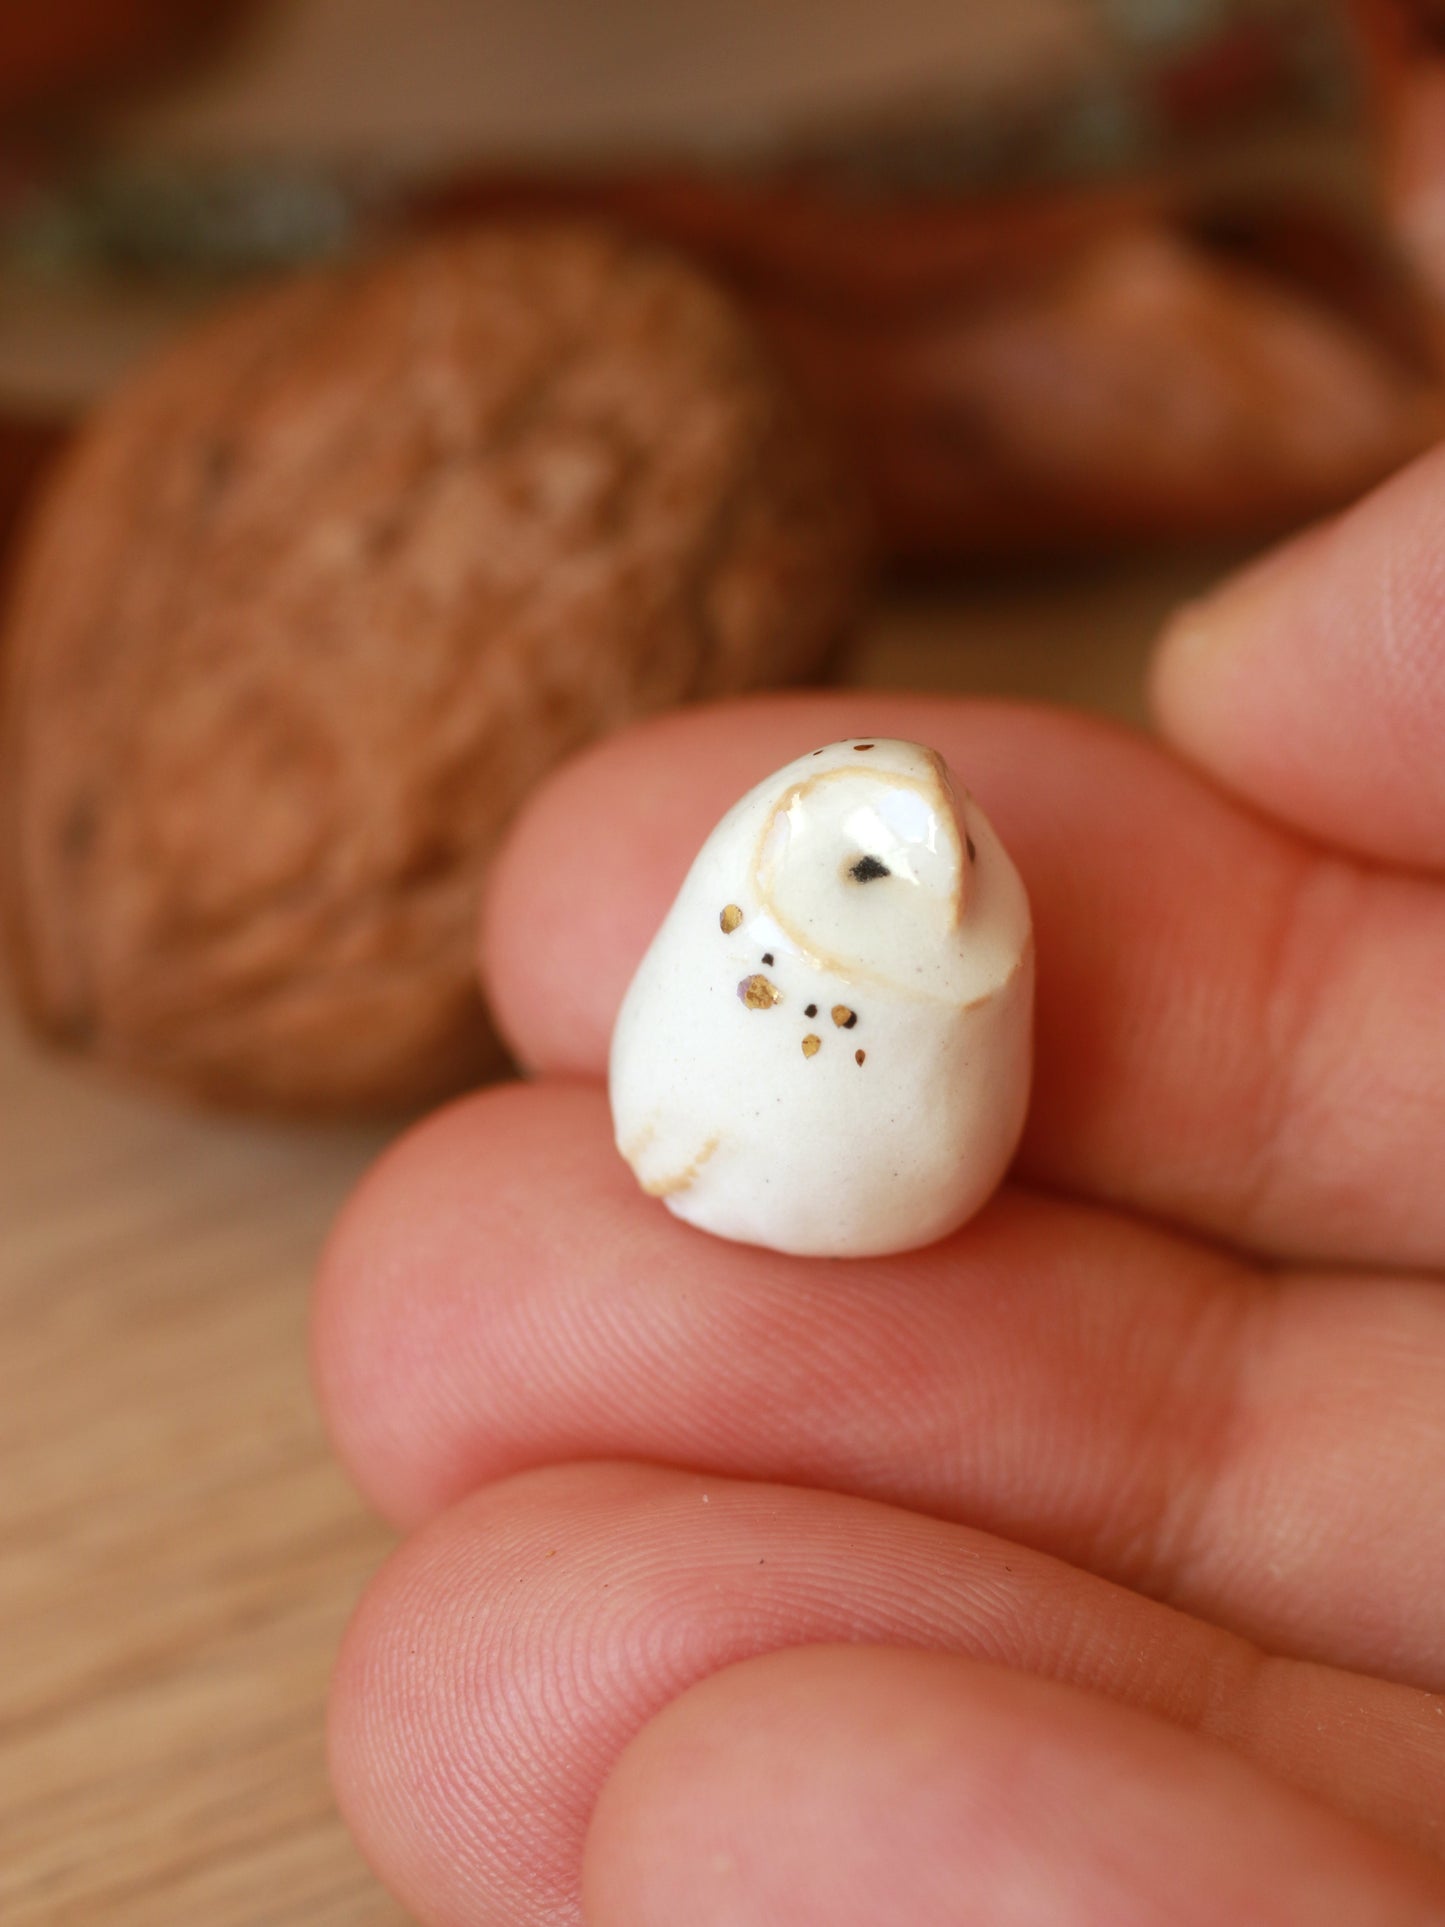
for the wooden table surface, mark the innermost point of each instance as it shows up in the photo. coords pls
(177, 1552)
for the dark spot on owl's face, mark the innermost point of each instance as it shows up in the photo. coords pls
(768, 957)
(811, 1011)
(862, 746)
(867, 869)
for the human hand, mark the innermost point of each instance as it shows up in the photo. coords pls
(1086, 1567)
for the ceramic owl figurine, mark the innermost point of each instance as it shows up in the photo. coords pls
(827, 1048)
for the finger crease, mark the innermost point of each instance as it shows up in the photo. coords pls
(1205, 1410)
(1318, 912)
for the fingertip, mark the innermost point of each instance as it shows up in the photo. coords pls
(1212, 645)
(1312, 683)
(398, 1761)
(1193, 647)
(365, 1747)
(1214, 648)
(552, 893)
(395, 1329)
(358, 1344)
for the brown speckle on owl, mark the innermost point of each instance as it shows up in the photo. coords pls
(759, 993)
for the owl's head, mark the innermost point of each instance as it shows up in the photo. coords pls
(864, 862)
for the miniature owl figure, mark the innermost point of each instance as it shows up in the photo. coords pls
(827, 1048)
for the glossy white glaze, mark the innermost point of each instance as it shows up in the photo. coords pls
(851, 906)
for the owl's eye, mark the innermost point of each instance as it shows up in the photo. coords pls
(865, 869)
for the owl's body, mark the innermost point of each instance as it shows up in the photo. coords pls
(827, 1047)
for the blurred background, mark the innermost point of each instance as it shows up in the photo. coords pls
(1059, 308)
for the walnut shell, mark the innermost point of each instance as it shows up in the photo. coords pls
(316, 600)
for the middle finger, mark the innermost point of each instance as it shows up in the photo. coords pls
(1251, 1448)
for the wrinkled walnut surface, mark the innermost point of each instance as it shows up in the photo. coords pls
(318, 598)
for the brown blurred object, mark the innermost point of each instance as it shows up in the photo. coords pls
(1059, 372)
(56, 53)
(316, 601)
(27, 445)
(1200, 349)
(1056, 372)
(1407, 38)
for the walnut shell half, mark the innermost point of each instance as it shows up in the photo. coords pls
(318, 598)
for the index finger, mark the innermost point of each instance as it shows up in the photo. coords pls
(1314, 682)
(1237, 1031)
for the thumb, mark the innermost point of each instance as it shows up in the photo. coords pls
(844, 1786)
(1314, 683)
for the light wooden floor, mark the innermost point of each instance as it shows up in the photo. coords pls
(177, 1553)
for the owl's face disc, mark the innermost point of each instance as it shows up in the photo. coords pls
(862, 862)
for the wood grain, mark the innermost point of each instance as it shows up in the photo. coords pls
(177, 1553)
